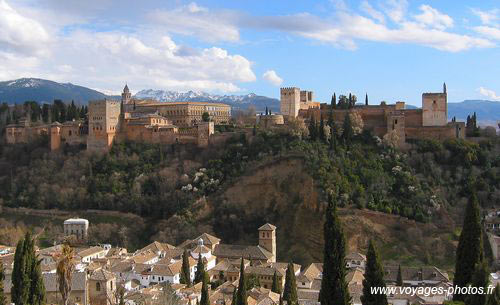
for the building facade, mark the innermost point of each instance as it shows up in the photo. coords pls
(76, 226)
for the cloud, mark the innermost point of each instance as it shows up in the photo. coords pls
(433, 18)
(372, 12)
(487, 31)
(490, 17)
(21, 34)
(273, 78)
(198, 21)
(489, 93)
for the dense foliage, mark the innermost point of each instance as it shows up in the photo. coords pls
(374, 277)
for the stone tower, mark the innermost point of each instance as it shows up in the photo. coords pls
(104, 124)
(55, 136)
(267, 239)
(290, 102)
(435, 108)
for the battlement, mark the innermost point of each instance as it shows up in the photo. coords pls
(289, 88)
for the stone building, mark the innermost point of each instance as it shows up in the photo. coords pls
(112, 121)
(76, 226)
(429, 122)
(293, 100)
(265, 252)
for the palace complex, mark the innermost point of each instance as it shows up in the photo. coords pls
(428, 122)
(129, 119)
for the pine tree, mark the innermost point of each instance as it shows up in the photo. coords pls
(348, 132)
(470, 245)
(185, 270)
(479, 279)
(200, 270)
(290, 291)
(241, 297)
(494, 298)
(399, 279)
(374, 277)
(276, 286)
(366, 99)
(3, 299)
(204, 290)
(334, 290)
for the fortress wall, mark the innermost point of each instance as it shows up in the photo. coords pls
(413, 117)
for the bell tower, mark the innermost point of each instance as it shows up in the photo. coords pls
(267, 239)
(126, 95)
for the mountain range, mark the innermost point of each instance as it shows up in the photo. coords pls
(40, 90)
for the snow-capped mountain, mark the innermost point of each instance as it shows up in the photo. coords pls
(236, 101)
(42, 90)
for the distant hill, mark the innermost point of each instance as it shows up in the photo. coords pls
(488, 112)
(41, 90)
(237, 102)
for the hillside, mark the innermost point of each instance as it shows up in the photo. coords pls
(41, 90)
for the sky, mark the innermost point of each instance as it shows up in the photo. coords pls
(390, 49)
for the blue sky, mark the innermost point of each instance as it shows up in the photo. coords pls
(391, 49)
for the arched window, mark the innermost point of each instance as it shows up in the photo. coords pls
(98, 286)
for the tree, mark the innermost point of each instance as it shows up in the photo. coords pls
(366, 99)
(235, 296)
(276, 285)
(290, 291)
(313, 129)
(205, 117)
(322, 136)
(479, 279)
(347, 132)
(37, 291)
(470, 245)
(65, 267)
(374, 277)
(399, 279)
(267, 111)
(204, 290)
(494, 298)
(3, 299)
(241, 296)
(200, 270)
(334, 290)
(27, 282)
(332, 106)
(185, 273)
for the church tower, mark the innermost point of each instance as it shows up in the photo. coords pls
(126, 95)
(267, 239)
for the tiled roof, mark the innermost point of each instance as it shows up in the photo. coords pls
(267, 227)
(237, 251)
(78, 282)
(101, 275)
(415, 274)
(156, 246)
(355, 256)
(90, 251)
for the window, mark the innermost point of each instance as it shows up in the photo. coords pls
(98, 286)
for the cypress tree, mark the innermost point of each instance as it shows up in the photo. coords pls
(334, 101)
(290, 291)
(233, 302)
(204, 290)
(276, 286)
(200, 270)
(3, 299)
(241, 296)
(185, 272)
(479, 279)
(267, 111)
(366, 99)
(313, 129)
(399, 279)
(281, 300)
(374, 277)
(470, 247)
(322, 135)
(37, 293)
(332, 106)
(494, 298)
(334, 290)
(17, 273)
(348, 132)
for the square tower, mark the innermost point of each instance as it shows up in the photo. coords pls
(104, 123)
(435, 108)
(267, 239)
(290, 101)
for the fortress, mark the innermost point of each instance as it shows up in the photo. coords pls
(130, 119)
(429, 122)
